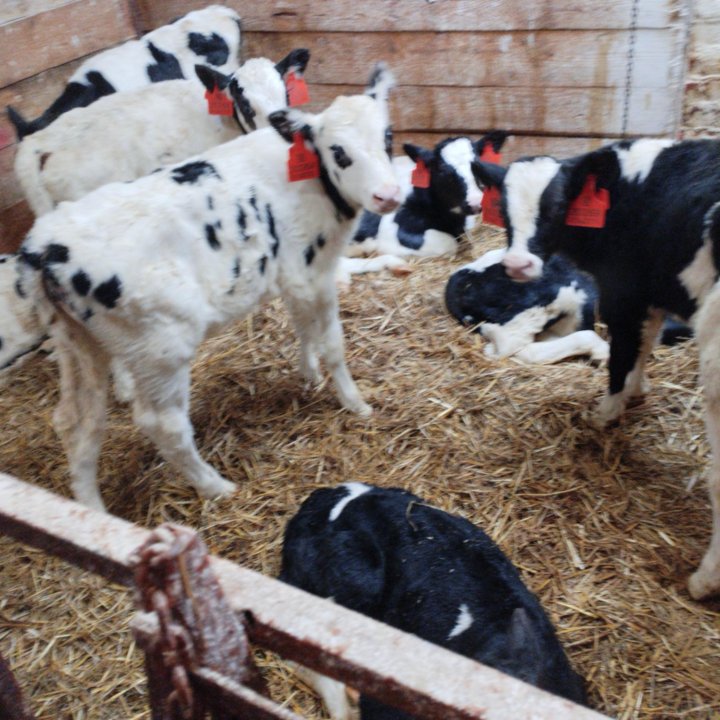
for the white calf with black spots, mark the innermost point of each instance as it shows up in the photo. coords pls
(387, 554)
(209, 36)
(139, 273)
(643, 218)
(127, 135)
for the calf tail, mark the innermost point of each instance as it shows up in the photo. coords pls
(29, 163)
(21, 125)
(22, 330)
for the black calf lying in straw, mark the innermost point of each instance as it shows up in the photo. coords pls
(543, 320)
(383, 552)
(643, 217)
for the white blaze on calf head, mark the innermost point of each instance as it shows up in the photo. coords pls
(354, 491)
(459, 154)
(637, 161)
(525, 182)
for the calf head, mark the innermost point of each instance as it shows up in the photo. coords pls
(452, 183)
(350, 138)
(536, 193)
(257, 88)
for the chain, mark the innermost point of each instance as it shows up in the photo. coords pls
(630, 65)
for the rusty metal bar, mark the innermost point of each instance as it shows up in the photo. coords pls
(12, 706)
(390, 665)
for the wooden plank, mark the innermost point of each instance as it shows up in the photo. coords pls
(10, 192)
(14, 9)
(52, 38)
(418, 15)
(15, 222)
(390, 665)
(548, 58)
(581, 112)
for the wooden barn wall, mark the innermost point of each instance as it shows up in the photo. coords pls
(553, 73)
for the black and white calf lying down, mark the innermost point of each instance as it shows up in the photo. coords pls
(138, 274)
(385, 553)
(542, 321)
(643, 217)
(209, 36)
(127, 135)
(431, 219)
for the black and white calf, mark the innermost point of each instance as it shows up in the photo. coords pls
(127, 135)
(643, 217)
(209, 36)
(138, 274)
(431, 219)
(385, 553)
(542, 321)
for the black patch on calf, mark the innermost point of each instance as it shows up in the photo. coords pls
(193, 171)
(99, 84)
(33, 259)
(340, 156)
(271, 229)
(56, 253)
(109, 292)
(389, 141)
(19, 289)
(236, 268)
(368, 226)
(320, 241)
(212, 47)
(211, 237)
(81, 283)
(44, 157)
(263, 263)
(166, 65)
(309, 254)
(89, 312)
(243, 105)
(253, 203)
(210, 202)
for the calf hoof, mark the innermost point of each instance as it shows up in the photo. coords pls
(704, 584)
(216, 489)
(600, 353)
(608, 410)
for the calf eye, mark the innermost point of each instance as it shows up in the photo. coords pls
(389, 141)
(341, 157)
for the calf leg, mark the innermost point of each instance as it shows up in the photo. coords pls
(79, 418)
(631, 342)
(317, 322)
(161, 409)
(706, 580)
(581, 342)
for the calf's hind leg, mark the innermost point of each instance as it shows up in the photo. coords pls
(706, 580)
(161, 410)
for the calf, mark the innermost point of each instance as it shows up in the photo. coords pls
(643, 217)
(127, 135)
(210, 36)
(139, 273)
(541, 321)
(385, 553)
(431, 219)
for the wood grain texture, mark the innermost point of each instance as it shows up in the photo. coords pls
(35, 43)
(15, 222)
(418, 15)
(549, 58)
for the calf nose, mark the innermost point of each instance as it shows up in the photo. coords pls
(519, 267)
(387, 198)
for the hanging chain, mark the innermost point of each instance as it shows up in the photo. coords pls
(630, 65)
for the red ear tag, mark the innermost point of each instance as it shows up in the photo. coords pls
(588, 209)
(218, 102)
(420, 177)
(303, 164)
(491, 207)
(297, 90)
(489, 155)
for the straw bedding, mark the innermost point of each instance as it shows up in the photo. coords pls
(605, 526)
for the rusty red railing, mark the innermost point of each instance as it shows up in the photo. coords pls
(394, 667)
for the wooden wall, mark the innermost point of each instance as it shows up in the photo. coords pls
(551, 71)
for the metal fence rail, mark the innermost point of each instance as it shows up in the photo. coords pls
(390, 665)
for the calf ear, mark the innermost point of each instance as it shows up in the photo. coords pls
(602, 163)
(296, 60)
(380, 83)
(287, 122)
(496, 138)
(211, 78)
(488, 174)
(415, 153)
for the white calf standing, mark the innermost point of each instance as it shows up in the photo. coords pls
(127, 135)
(140, 273)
